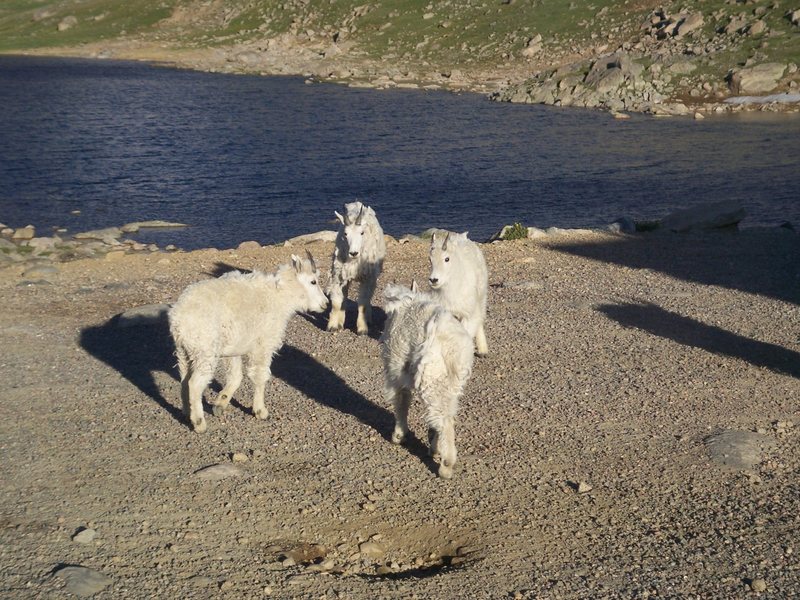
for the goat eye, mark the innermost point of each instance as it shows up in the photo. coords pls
(362, 233)
(314, 282)
(446, 259)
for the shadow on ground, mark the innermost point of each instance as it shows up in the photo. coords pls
(758, 261)
(136, 353)
(690, 332)
(316, 381)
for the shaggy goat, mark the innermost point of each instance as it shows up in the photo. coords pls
(425, 349)
(238, 315)
(357, 256)
(460, 281)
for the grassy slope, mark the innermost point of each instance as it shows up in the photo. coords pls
(459, 34)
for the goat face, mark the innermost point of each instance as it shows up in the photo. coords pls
(353, 230)
(308, 277)
(442, 262)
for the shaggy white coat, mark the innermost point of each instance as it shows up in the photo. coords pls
(425, 349)
(233, 317)
(357, 256)
(459, 281)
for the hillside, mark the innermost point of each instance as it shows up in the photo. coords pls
(635, 55)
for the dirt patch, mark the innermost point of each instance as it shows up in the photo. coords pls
(582, 472)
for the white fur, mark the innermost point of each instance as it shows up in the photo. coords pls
(460, 281)
(237, 316)
(357, 256)
(425, 349)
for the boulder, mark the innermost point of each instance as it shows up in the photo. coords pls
(713, 215)
(134, 227)
(67, 23)
(794, 17)
(311, 238)
(24, 233)
(690, 23)
(757, 28)
(99, 234)
(757, 79)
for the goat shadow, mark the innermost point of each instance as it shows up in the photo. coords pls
(689, 332)
(316, 381)
(320, 320)
(137, 352)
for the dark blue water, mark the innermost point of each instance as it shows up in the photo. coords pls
(259, 158)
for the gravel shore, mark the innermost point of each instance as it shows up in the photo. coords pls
(632, 433)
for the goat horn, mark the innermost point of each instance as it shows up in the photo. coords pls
(311, 260)
(360, 213)
(444, 244)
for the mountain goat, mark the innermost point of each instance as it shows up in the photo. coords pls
(459, 281)
(425, 349)
(357, 256)
(238, 315)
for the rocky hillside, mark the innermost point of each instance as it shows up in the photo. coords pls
(633, 55)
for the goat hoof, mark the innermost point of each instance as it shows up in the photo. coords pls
(261, 413)
(397, 437)
(334, 328)
(199, 425)
(219, 410)
(362, 330)
(445, 472)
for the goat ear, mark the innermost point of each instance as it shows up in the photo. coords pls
(446, 239)
(464, 235)
(338, 216)
(297, 263)
(414, 287)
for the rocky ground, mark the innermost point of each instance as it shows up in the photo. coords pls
(676, 58)
(631, 434)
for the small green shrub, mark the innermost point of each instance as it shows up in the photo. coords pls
(517, 231)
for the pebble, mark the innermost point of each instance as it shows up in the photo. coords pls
(758, 585)
(239, 457)
(84, 536)
(218, 471)
(583, 487)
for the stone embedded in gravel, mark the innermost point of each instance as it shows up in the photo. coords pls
(84, 536)
(583, 487)
(371, 549)
(82, 581)
(758, 585)
(40, 271)
(218, 472)
(147, 314)
(239, 457)
(523, 285)
(737, 449)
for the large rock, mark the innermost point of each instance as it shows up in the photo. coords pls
(737, 449)
(134, 227)
(758, 79)
(67, 23)
(712, 215)
(690, 23)
(99, 234)
(311, 238)
(24, 233)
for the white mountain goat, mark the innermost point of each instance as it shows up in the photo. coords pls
(460, 281)
(238, 315)
(357, 256)
(425, 349)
